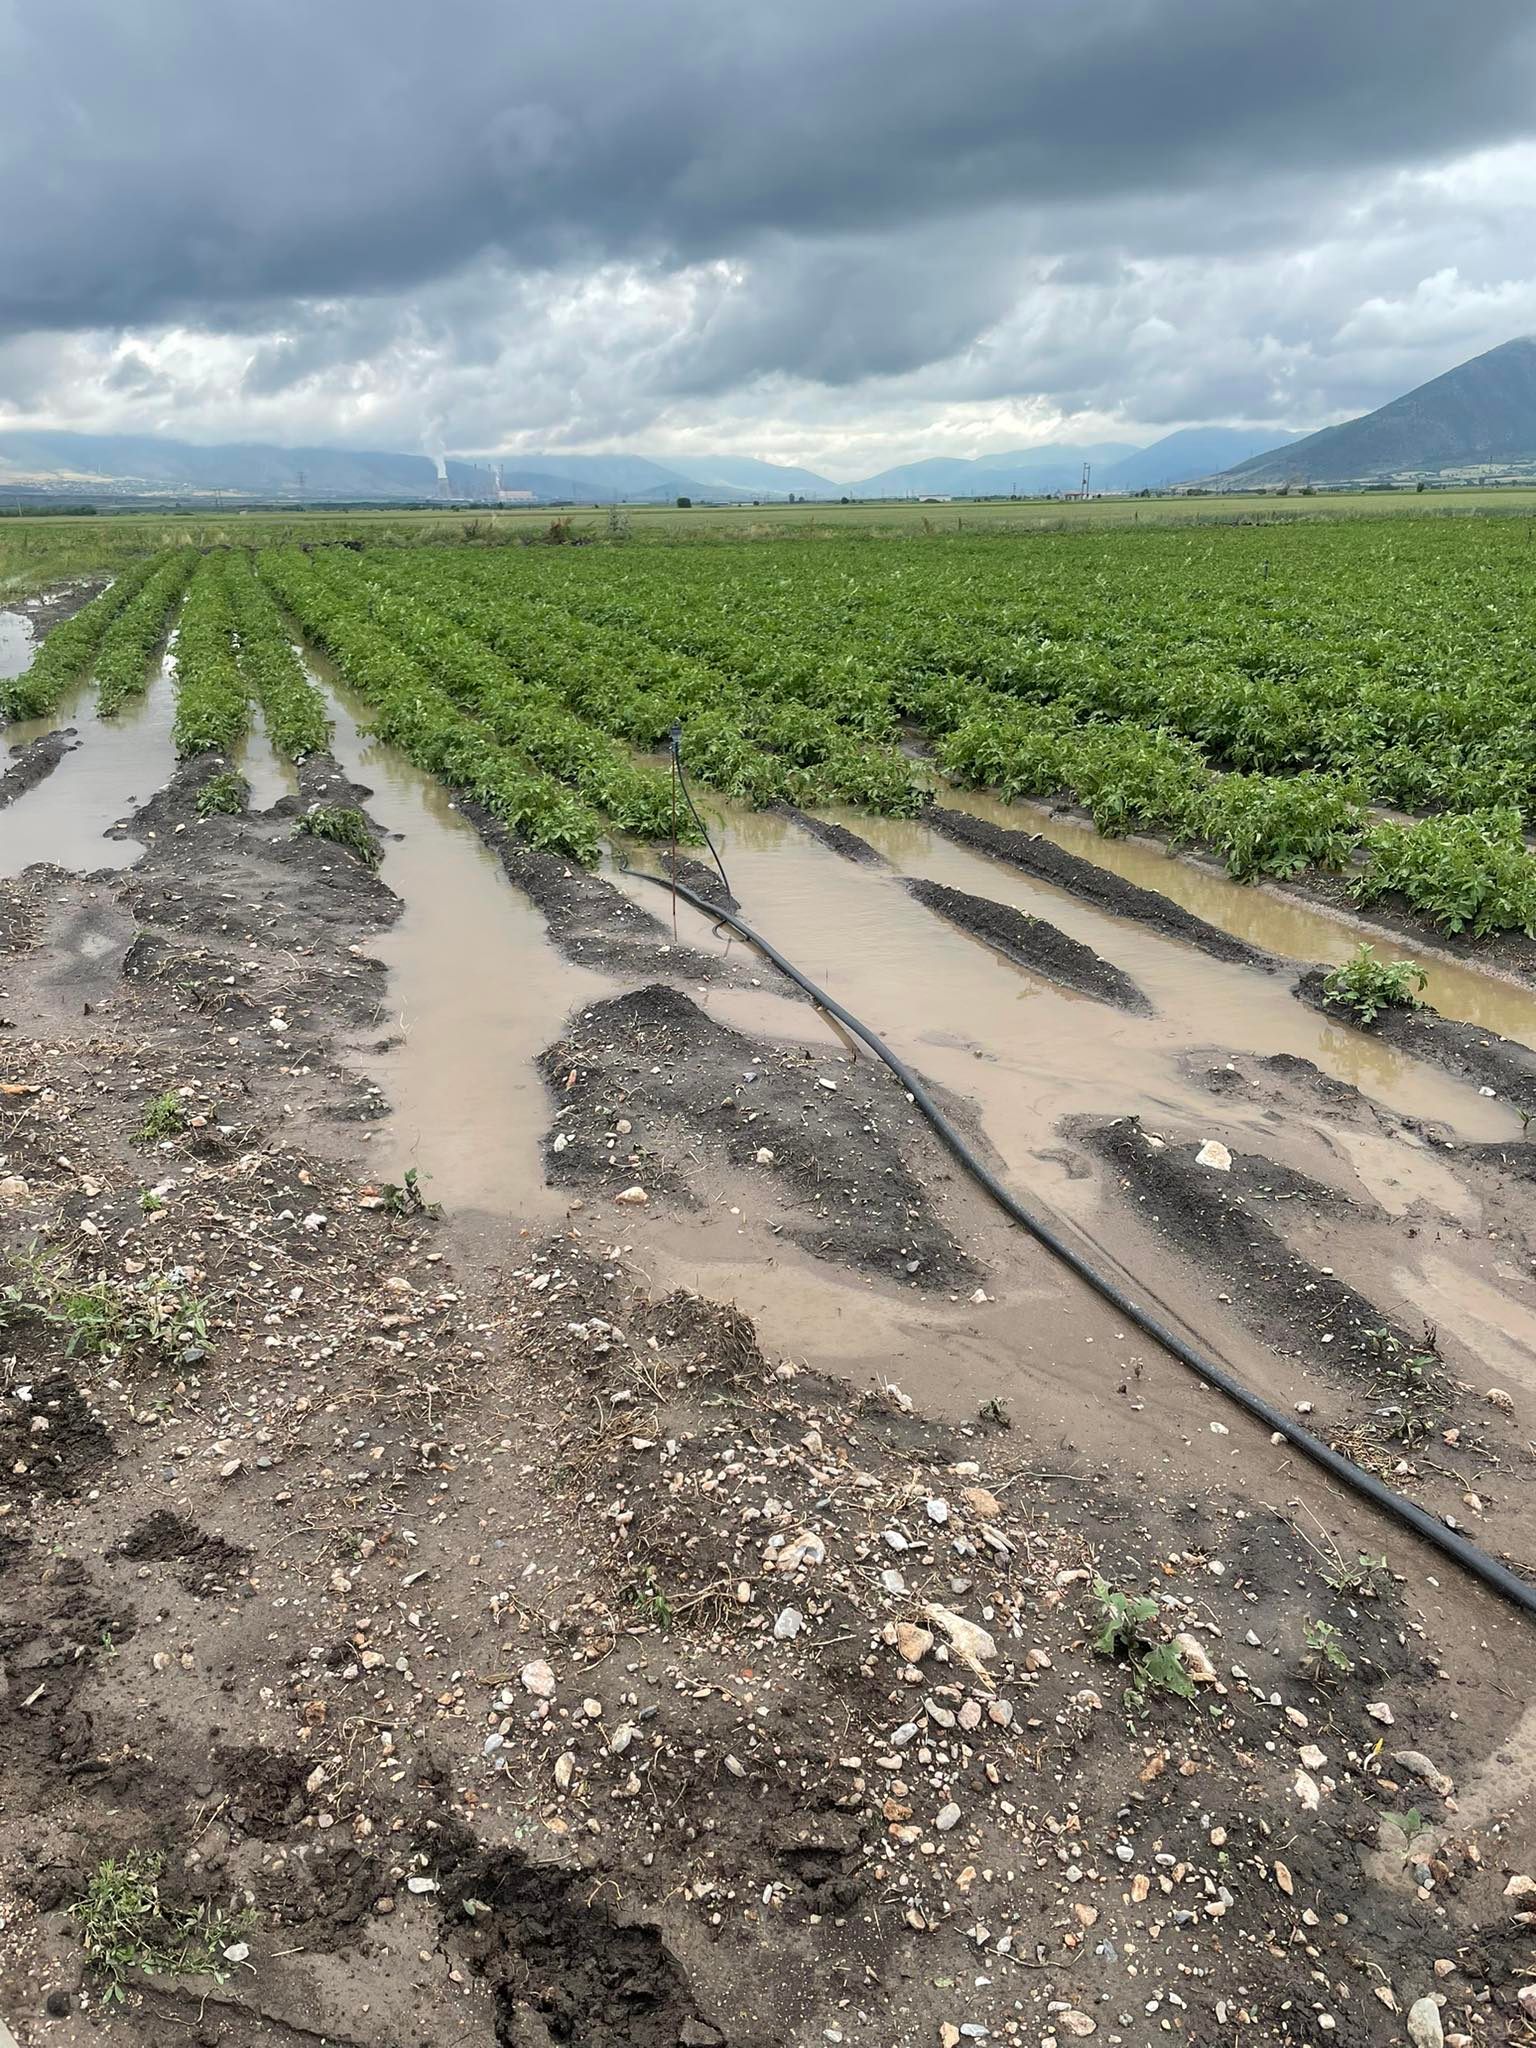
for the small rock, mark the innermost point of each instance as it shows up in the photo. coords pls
(806, 1548)
(421, 1885)
(1213, 1153)
(1424, 2028)
(912, 1642)
(984, 1505)
(1380, 1711)
(13, 1188)
(970, 1643)
(1074, 2022)
(789, 1624)
(229, 1468)
(1313, 1757)
(538, 1679)
(1307, 1792)
(937, 1511)
(764, 1156)
(1417, 1765)
(634, 1198)
(1194, 1659)
(1520, 1888)
(565, 1769)
(947, 1817)
(1495, 1396)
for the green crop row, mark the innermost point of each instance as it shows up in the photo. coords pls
(411, 712)
(292, 707)
(123, 656)
(65, 656)
(212, 702)
(749, 742)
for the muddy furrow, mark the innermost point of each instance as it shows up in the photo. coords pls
(1500, 1066)
(1032, 943)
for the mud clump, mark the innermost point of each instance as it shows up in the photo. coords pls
(565, 1971)
(1033, 944)
(1047, 862)
(32, 764)
(836, 838)
(810, 1135)
(1294, 1306)
(702, 879)
(208, 1563)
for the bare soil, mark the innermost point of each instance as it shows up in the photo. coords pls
(31, 764)
(513, 1652)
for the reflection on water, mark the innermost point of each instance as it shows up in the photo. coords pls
(16, 644)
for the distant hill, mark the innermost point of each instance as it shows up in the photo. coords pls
(1189, 454)
(1481, 414)
(1053, 467)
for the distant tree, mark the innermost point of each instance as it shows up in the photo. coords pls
(685, 504)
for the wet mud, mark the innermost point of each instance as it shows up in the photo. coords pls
(1035, 855)
(656, 1101)
(32, 764)
(836, 838)
(1031, 943)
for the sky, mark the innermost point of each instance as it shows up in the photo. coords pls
(842, 233)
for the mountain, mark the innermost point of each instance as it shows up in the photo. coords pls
(1481, 414)
(760, 479)
(1050, 468)
(1191, 453)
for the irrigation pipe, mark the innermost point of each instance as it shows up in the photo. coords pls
(1497, 1577)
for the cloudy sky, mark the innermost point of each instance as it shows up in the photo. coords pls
(838, 232)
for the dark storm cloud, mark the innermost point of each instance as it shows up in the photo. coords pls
(178, 158)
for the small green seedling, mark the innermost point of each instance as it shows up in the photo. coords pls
(406, 1198)
(1365, 986)
(1125, 1624)
(1324, 1656)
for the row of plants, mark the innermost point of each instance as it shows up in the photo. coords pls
(635, 797)
(757, 745)
(65, 656)
(123, 655)
(1256, 703)
(411, 711)
(212, 702)
(291, 706)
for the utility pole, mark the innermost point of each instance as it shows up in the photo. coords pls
(1087, 474)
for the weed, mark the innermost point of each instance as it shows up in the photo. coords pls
(223, 795)
(1125, 1633)
(155, 1313)
(1324, 1655)
(166, 1117)
(650, 1602)
(150, 1202)
(1366, 986)
(1365, 1578)
(345, 826)
(126, 1925)
(404, 1198)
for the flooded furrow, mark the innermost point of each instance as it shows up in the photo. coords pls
(116, 766)
(1257, 912)
(269, 775)
(18, 643)
(477, 993)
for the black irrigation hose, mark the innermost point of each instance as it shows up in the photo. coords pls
(682, 783)
(1497, 1577)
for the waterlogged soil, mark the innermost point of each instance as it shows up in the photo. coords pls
(1033, 943)
(499, 1644)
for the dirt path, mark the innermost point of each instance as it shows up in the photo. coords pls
(514, 1648)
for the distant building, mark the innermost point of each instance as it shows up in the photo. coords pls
(518, 497)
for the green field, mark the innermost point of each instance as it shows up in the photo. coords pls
(1355, 694)
(38, 552)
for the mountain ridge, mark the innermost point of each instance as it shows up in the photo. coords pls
(1478, 414)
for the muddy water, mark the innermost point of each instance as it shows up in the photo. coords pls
(477, 993)
(17, 642)
(1263, 915)
(118, 765)
(268, 775)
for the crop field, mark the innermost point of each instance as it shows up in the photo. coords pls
(1351, 698)
(508, 1405)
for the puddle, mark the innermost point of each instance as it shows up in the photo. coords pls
(1253, 912)
(117, 765)
(17, 642)
(476, 993)
(269, 776)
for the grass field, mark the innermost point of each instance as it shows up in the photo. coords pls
(37, 552)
